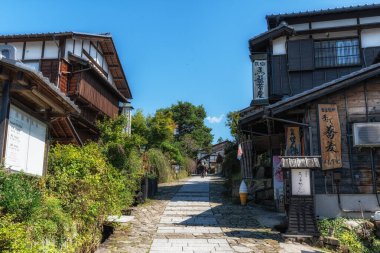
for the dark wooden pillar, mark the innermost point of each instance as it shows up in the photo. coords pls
(4, 109)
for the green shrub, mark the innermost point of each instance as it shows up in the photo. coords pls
(50, 223)
(19, 194)
(160, 165)
(14, 236)
(89, 188)
(347, 237)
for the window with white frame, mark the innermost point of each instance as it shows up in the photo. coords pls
(335, 53)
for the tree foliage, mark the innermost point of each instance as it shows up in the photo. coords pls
(192, 132)
(233, 123)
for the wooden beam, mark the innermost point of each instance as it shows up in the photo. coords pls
(108, 53)
(4, 73)
(20, 78)
(4, 116)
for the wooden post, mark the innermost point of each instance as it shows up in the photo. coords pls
(4, 116)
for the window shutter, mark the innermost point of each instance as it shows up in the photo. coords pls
(300, 55)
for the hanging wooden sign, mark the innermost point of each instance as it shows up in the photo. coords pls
(260, 81)
(330, 136)
(293, 141)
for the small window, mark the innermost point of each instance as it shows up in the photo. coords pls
(335, 53)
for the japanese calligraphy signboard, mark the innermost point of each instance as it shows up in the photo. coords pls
(330, 136)
(301, 182)
(25, 148)
(260, 81)
(293, 141)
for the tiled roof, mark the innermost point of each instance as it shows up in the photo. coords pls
(325, 11)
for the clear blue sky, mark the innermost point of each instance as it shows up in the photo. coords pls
(189, 50)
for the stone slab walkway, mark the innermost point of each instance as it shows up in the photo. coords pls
(194, 216)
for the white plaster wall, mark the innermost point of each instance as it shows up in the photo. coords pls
(333, 23)
(370, 37)
(86, 47)
(33, 50)
(92, 52)
(326, 205)
(300, 27)
(69, 47)
(369, 20)
(51, 50)
(279, 46)
(335, 35)
(78, 47)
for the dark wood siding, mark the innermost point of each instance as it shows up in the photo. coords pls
(64, 77)
(280, 82)
(369, 55)
(92, 89)
(300, 55)
(49, 69)
(356, 171)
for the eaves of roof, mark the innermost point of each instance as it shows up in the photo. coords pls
(322, 11)
(37, 75)
(109, 86)
(104, 38)
(262, 39)
(311, 94)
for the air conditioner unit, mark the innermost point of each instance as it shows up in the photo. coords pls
(8, 51)
(366, 134)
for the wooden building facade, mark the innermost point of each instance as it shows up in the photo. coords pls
(30, 104)
(320, 85)
(86, 68)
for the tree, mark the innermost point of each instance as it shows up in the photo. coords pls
(192, 132)
(233, 123)
(161, 128)
(220, 140)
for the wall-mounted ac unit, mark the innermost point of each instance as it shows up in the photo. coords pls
(366, 134)
(8, 51)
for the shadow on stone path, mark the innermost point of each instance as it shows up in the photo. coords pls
(197, 218)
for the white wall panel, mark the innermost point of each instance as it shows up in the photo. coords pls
(369, 20)
(370, 37)
(33, 50)
(51, 50)
(335, 35)
(93, 51)
(333, 23)
(78, 47)
(86, 47)
(279, 46)
(300, 27)
(69, 47)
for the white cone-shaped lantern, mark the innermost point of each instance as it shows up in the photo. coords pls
(243, 192)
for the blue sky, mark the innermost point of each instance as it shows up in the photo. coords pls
(188, 50)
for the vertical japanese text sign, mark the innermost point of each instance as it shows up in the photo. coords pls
(293, 141)
(260, 80)
(330, 136)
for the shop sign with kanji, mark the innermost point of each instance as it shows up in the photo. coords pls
(330, 136)
(260, 80)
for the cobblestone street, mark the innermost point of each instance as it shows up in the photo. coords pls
(193, 216)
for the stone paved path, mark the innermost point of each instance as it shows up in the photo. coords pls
(194, 216)
(188, 223)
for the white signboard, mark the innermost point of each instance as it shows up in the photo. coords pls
(25, 149)
(260, 80)
(301, 182)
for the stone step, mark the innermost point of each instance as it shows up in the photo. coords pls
(189, 230)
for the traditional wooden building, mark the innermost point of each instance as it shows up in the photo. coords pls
(30, 104)
(316, 94)
(86, 68)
